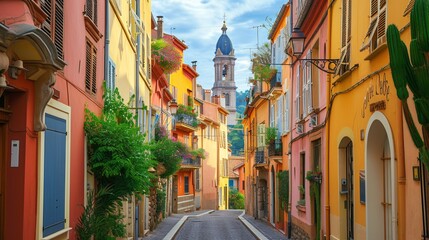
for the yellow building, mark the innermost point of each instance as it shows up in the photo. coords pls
(255, 122)
(128, 57)
(222, 143)
(367, 185)
(214, 140)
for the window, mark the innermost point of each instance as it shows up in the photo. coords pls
(287, 112)
(91, 10)
(111, 78)
(316, 146)
(227, 99)
(297, 95)
(54, 23)
(242, 184)
(272, 115)
(225, 167)
(261, 135)
(91, 68)
(302, 175)
(306, 88)
(376, 34)
(280, 116)
(197, 179)
(344, 64)
(186, 182)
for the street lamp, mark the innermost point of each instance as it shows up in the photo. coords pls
(173, 107)
(296, 44)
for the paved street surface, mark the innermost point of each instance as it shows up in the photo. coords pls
(218, 225)
(207, 225)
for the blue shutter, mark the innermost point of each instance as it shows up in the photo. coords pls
(54, 175)
(231, 183)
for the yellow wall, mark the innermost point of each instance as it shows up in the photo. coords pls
(370, 83)
(182, 83)
(223, 154)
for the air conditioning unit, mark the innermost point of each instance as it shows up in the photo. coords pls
(299, 128)
(313, 121)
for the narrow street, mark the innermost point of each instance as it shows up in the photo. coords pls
(217, 225)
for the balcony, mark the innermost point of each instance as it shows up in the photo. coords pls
(185, 122)
(190, 163)
(275, 148)
(303, 8)
(260, 157)
(276, 84)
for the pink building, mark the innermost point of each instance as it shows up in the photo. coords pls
(42, 141)
(308, 118)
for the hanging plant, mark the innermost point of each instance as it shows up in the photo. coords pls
(166, 55)
(170, 154)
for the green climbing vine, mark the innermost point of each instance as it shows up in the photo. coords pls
(119, 158)
(315, 178)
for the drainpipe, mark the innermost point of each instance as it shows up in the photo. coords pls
(327, 129)
(106, 40)
(289, 219)
(138, 59)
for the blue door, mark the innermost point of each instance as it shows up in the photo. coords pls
(54, 175)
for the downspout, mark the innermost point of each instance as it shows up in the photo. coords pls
(289, 219)
(328, 93)
(106, 40)
(137, 70)
(401, 172)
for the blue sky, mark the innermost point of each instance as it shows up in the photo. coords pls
(199, 22)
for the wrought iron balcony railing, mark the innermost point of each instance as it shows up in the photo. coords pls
(186, 119)
(276, 80)
(188, 161)
(260, 156)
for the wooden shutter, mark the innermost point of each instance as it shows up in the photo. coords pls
(297, 95)
(344, 24)
(287, 112)
(409, 7)
(88, 67)
(94, 71)
(261, 135)
(381, 29)
(54, 175)
(374, 7)
(59, 28)
(46, 6)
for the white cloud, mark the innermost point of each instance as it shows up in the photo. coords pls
(199, 22)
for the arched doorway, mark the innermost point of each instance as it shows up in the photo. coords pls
(346, 176)
(380, 184)
(273, 195)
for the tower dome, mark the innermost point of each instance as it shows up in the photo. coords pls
(224, 43)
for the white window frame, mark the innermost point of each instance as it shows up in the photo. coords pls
(297, 96)
(63, 111)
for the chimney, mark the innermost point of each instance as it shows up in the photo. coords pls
(216, 99)
(207, 95)
(160, 28)
(194, 65)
